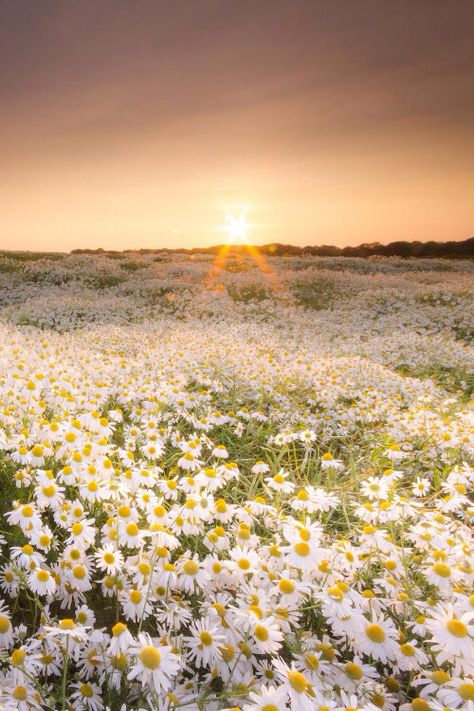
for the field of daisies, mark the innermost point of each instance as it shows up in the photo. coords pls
(236, 484)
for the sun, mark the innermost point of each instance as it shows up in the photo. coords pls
(236, 227)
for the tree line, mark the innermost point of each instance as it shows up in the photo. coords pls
(400, 248)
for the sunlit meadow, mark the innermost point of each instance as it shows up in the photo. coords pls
(236, 484)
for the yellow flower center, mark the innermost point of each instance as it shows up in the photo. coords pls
(440, 677)
(118, 628)
(4, 624)
(301, 549)
(150, 657)
(286, 586)
(19, 693)
(244, 564)
(297, 681)
(261, 633)
(131, 529)
(353, 670)
(311, 661)
(190, 567)
(441, 569)
(420, 704)
(18, 657)
(466, 691)
(86, 690)
(375, 633)
(67, 624)
(456, 628)
(206, 639)
(227, 652)
(135, 596)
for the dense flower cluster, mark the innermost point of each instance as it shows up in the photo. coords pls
(211, 502)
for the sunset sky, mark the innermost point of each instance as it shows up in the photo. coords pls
(140, 123)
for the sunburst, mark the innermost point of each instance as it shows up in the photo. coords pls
(236, 226)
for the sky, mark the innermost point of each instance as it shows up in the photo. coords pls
(141, 123)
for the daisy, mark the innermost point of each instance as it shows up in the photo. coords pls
(135, 605)
(108, 559)
(87, 696)
(204, 642)
(458, 692)
(266, 635)
(42, 582)
(79, 578)
(421, 486)
(25, 516)
(375, 488)
(245, 561)
(192, 575)
(131, 535)
(220, 452)
(279, 482)
(210, 479)
(6, 629)
(26, 557)
(377, 639)
(189, 462)
(452, 638)
(82, 533)
(269, 698)
(302, 555)
(410, 657)
(49, 495)
(21, 697)
(329, 462)
(121, 640)
(74, 635)
(42, 538)
(297, 687)
(85, 616)
(260, 467)
(289, 590)
(155, 666)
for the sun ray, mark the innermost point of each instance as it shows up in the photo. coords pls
(237, 226)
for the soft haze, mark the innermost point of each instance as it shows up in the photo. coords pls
(139, 123)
